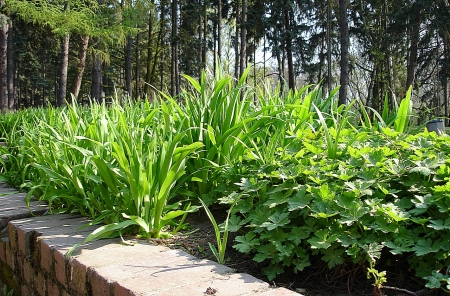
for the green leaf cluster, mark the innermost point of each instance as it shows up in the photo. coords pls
(386, 191)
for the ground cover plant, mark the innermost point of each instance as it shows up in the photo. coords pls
(300, 177)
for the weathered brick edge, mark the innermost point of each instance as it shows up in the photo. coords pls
(32, 260)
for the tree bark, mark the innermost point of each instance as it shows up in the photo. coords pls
(243, 49)
(175, 82)
(236, 43)
(136, 71)
(128, 64)
(81, 65)
(200, 45)
(148, 77)
(343, 30)
(219, 30)
(446, 82)
(413, 50)
(3, 48)
(162, 21)
(12, 101)
(64, 60)
(205, 32)
(329, 46)
(96, 89)
(290, 60)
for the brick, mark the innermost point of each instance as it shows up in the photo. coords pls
(52, 289)
(9, 256)
(241, 283)
(39, 284)
(24, 241)
(77, 282)
(2, 251)
(60, 268)
(46, 256)
(119, 290)
(19, 265)
(28, 272)
(12, 236)
(100, 286)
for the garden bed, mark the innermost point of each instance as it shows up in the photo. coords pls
(316, 194)
(316, 280)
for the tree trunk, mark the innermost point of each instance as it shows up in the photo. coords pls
(161, 41)
(214, 32)
(3, 48)
(413, 51)
(445, 82)
(128, 64)
(81, 65)
(107, 85)
(205, 30)
(12, 102)
(243, 52)
(236, 43)
(64, 59)
(219, 30)
(136, 74)
(290, 60)
(96, 90)
(329, 46)
(343, 30)
(200, 45)
(148, 77)
(175, 82)
(446, 113)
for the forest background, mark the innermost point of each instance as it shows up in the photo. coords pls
(96, 48)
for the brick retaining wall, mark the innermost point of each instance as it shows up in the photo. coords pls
(32, 261)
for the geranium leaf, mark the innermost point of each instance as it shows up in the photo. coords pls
(299, 200)
(440, 224)
(425, 246)
(333, 256)
(246, 243)
(421, 170)
(276, 220)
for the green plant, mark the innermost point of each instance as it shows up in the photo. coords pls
(215, 115)
(396, 117)
(7, 291)
(388, 192)
(340, 121)
(219, 252)
(438, 280)
(404, 113)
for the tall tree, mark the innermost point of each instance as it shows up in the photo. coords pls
(150, 51)
(329, 21)
(288, 40)
(3, 49)
(64, 18)
(175, 80)
(343, 30)
(96, 86)
(12, 103)
(243, 43)
(80, 65)
(219, 30)
(64, 60)
(414, 35)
